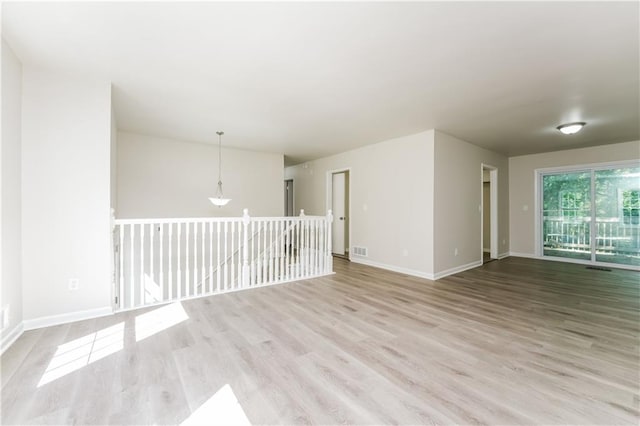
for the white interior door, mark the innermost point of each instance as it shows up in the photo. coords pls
(338, 207)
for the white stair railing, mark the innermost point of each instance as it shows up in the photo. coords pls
(161, 260)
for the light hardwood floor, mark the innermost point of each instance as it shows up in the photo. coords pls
(516, 341)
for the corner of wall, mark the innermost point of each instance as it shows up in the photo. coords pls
(11, 212)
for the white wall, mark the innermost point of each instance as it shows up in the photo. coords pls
(391, 199)
(166, 178)
(11, 248)
(66, 194)
(113, 148)
(522, 184)
(457, 197)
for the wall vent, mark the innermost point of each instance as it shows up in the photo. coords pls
(599, 268)
(360, 251)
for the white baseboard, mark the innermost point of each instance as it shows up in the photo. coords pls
(576, 261)
(457, 269)
(503, 255)
(527, 255)
(66, 318)
(393, 268)
(10, 338)
(486, 250)
(419, 274)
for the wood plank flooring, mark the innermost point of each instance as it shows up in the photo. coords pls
(516, 341)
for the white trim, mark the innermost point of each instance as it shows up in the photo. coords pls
(457, 269)
(503, 255)
(10, 338)
(539, 217)
(51, 320)
(577, 261)
(595, 166)
(419, 274)
(329, 201)
(394, 268)
(526, 255)
(486, 250)
(493, 209)
(293, 199)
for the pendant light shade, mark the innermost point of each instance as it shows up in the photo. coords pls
(219, 199)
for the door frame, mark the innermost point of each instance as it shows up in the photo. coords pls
(538, 203)
(493, 210)
(293, 200)
(329, 203)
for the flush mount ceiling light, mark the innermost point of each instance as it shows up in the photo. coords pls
(571, 128)
(219, 199)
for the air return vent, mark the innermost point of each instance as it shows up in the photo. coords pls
(599, 268)
(360, 251)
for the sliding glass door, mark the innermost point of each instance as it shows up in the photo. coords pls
(592, 214)
(566, 218)
(617, 215)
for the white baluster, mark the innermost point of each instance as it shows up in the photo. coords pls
(328, 255)
(305, 247)
(279, 247)
(315, 246)
(132, 283)
(170, 261)
(260, 253)
(233, 255)
(194, 281)
(203, 268)
(287, 237)
(179, 261)
(238, 256)
(270, 249)
(245, 249)
(298, 269)
(218, 256)
(161, 265)
(187, 266)
(226, 256)
(210, 289)
(121, 228)
(142, 286)
(152, 233)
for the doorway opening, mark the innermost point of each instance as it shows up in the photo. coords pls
(288, 198)
(489, 213)
(338, 200)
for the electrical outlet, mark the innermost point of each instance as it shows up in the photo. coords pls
(455, 251)
(405, 252)
(74, 284)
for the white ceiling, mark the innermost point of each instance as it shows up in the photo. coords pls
(312, 79)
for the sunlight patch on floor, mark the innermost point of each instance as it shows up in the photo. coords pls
(222, 408)
(74, 355)
(160, 319)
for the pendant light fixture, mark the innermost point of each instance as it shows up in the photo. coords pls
(219, 199)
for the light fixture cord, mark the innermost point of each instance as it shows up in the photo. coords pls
(219, 191)
(219, 159)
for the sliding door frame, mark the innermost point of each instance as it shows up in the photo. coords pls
(539, 216)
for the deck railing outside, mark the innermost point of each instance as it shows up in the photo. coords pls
(574, 234)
